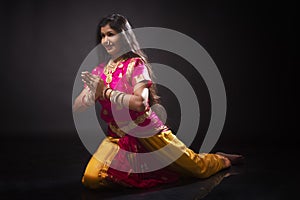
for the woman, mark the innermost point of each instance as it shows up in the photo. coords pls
(123, 86)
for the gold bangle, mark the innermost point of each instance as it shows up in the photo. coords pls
(109, 95)
(104, 92)
(117, 97)
(122, 99)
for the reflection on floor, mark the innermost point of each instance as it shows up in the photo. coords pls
(189, 189)
(51, 168)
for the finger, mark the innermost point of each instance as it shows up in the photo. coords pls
(93, 77)
(86, 83)
(90, 76)
(92, 80)
(84, 74)
(89, 85)
(88, 80)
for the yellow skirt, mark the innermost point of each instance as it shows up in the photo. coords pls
(188, 164)
(95, 174)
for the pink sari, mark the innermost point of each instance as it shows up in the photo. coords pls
(144, 132)
(125, 77)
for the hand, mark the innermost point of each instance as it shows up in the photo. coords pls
(88, 99)
(94, 83)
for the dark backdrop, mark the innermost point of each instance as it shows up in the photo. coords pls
(43, 44)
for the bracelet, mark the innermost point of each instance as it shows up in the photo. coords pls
(104, 92)
(114, 97)
(117, 97)
(110, 94)
(125, 100)
(122, 99)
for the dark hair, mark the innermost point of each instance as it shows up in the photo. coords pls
(121, 25)
(116, 22)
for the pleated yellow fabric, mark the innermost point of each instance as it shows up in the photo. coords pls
(96, 171)
(189, 163)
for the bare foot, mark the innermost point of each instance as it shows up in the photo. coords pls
(235, 159)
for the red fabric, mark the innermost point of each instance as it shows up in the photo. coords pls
(128, 142)
(138, 180)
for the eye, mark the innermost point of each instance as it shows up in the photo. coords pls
(102, 35)
(109, 34)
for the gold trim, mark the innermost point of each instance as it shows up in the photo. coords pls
(131, 124)
(130, 68)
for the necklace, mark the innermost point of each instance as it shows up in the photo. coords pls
(109, 69)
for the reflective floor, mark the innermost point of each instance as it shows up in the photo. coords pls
(51, 168)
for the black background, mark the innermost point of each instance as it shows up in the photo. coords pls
(43, 44)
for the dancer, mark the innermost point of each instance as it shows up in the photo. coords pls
(123, 86)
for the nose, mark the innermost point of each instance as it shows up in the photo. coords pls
(104, 40)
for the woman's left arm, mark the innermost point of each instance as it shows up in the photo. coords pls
(138, 77)
(139, 100)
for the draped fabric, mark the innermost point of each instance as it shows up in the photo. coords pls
(117, 161)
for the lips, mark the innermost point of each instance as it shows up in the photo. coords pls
(109, 47)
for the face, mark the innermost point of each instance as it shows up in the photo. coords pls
(110, 39)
